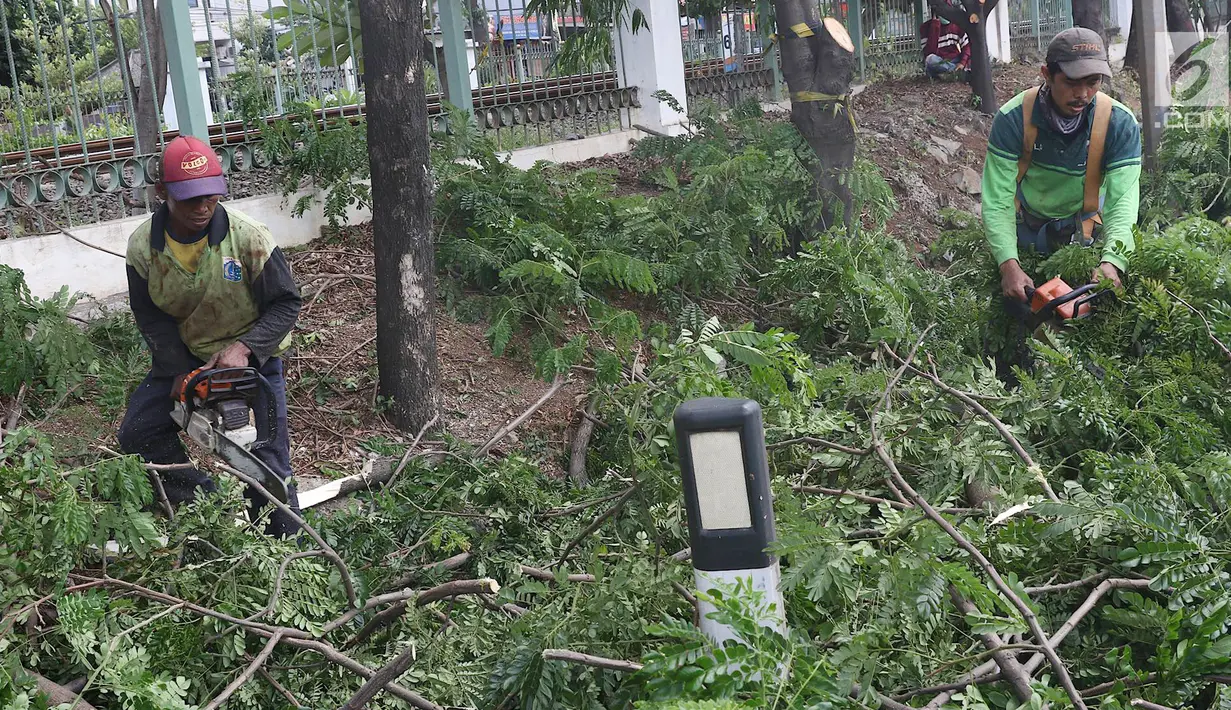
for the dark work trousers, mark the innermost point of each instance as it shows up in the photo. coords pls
(149, 431)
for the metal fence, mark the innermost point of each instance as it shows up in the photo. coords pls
(726, 58)
(74, 68)
(1033, 24)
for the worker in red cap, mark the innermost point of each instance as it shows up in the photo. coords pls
(208, 287)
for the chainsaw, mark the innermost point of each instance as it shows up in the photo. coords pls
(219, 410)
(1056, 303)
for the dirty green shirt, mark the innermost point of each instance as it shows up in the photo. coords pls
(242, 290)
(1054, 184)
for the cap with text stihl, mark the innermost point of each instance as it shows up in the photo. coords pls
(1080, 53)
(191, 169)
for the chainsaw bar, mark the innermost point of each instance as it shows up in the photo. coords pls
(247, 463)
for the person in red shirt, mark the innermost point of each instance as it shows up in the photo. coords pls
(946, 48)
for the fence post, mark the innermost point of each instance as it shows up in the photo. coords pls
(772, 58)
(458, 67)
(856, 24)
(185, 79)
(1034, 23)
(652, 59)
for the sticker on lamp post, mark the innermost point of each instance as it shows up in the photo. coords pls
(721, 446)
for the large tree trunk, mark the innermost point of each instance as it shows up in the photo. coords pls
(436, 57)
(150, 96)
(401, 209)
(981, 84)
(478, 25)
(1217, 16)
(1179, 19)
(971, 18)
(1089, 14)
(823, 63)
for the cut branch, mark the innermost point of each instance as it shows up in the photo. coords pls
(15, 412)
(1086, 607)
(444, 591)
(549, 577)
(585, 659)
(57, 694)
(1126, 682)
(246, 676)
(277, 590)
(1147, 705)
(390, 672)
(410, 449)
(561, 512)
(447, 565)
(982, 411)
(1209, 331)
(581, 443)
(1061, 671)
(1068, 585)
(819, 443)
(330, 554)
(508, 428)
(615, 508)
(278, 687)
(840, 493)
(1010, 669)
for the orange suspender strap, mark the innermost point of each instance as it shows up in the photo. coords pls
(1094, 163)
(1029, 133)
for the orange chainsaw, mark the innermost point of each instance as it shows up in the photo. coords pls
(1056, 303)
(219, 410)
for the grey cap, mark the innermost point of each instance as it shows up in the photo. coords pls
(1079, 52)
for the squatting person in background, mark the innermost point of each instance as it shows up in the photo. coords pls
(946, 48)
(207, 287)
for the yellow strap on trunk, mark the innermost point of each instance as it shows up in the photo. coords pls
(839, 101)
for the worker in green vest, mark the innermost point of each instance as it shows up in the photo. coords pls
(208, 287)
(1063, 167)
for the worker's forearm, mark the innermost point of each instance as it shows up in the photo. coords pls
(999, 212)
(279, 302)
(1120, 207)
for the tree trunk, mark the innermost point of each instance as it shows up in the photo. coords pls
(1217, 16)
(1179, 17)
(478, 25)
(150, 97)
(971, 19)
(981, 85)
(401, 209)
(1132, 50)
(1089, 14)
(823, 63)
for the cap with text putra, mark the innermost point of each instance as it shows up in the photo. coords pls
(191, 169)
(1080, 53)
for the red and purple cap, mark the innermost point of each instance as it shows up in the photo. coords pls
(191, 169)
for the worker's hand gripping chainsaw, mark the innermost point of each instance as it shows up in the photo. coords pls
(213, 407)
(1056, 303)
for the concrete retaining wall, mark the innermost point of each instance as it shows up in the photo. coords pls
(53, 260)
